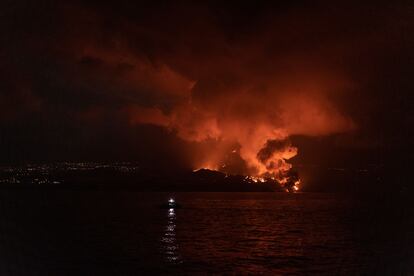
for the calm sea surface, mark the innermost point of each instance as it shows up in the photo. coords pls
(64, 232)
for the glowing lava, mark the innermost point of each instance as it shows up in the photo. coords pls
(288, 184)
(265, 162)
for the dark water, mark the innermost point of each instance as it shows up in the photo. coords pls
(63, 232)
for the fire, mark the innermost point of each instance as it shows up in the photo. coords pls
(285, 183)
(266, 161)
(271, 164)
(296, 185)
(256, 179)
(241, 122)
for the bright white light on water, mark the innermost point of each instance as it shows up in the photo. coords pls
(171, 213)
(171, 200)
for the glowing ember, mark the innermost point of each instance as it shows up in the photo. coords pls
(288, 182)
(256, 179)
(296, 186)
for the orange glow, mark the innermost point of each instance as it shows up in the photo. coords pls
(239, 103)
(296, 185)
(260, 131)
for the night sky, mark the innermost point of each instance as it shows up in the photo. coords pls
(188, 85)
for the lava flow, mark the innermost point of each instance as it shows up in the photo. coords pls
(288, 184)
(269, 165)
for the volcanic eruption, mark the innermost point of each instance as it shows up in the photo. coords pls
(249, 134)
(234, 99)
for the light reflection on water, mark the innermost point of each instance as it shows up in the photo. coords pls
(59, 232)
(169, 240)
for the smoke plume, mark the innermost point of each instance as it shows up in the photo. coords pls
(229, 87)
